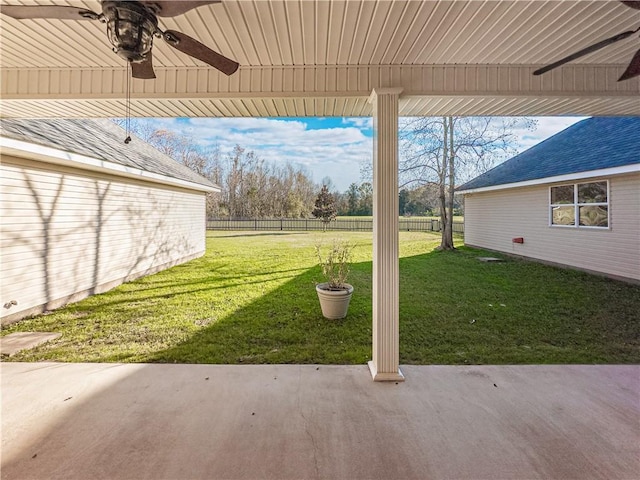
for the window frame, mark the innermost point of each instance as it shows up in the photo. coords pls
(576, 206)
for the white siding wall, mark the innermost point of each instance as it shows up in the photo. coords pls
(493, 219)
(66, 233)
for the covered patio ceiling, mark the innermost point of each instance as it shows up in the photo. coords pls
(324, 58)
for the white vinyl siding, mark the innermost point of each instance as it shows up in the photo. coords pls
(493, 219)
(67, 232)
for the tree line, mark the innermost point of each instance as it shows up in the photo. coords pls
(251, 187)
(436, 154)
(413, 200)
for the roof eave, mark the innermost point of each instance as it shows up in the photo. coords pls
(632, 168)
(19, 148)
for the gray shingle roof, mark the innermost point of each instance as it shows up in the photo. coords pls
(100, 139)
(592, 144)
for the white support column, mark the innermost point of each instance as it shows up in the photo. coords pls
(386, 314)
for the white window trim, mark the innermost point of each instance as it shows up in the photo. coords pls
(576, 206)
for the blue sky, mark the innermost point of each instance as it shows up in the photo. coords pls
(331, 146)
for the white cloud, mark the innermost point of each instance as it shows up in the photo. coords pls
(336, 151)
(359, 122)
(546, 127)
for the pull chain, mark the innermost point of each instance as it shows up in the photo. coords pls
(128, 105)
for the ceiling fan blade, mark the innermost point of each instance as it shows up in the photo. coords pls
(633, 70)
(22, 12)
(631, 4)
(191, 46)
(585, 51)
(144, 69)
(171, 8)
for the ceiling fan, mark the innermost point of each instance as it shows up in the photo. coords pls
(633, 70)
(131, 26)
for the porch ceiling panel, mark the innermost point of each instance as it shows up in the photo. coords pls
(516, 106)
(318, 57)
(226, 107)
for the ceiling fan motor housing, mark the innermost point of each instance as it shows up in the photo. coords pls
(130, 29)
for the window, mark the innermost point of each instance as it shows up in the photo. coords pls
(580, 205)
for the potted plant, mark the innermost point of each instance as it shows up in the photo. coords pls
(335, 293)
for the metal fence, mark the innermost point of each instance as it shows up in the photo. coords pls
(413, 224)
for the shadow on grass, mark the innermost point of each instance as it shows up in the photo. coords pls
(458, 310)
(285, 326)
(141, 291)
(454, 310)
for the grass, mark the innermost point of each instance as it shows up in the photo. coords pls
(251, 299)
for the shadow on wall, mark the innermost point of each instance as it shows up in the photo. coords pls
(75, 237)
(155, 240)
(101, 195)
(46, 220)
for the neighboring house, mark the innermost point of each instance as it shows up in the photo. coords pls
(572, 200)
(82, 212)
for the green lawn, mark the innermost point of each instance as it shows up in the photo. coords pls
(251, 299)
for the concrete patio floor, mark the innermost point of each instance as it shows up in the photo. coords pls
(138, 421)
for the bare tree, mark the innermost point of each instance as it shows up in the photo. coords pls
(139, 127)
(251, 187)
(203, 161)
(257, 189)
(446, 150)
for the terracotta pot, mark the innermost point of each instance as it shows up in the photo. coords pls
(334, 303)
